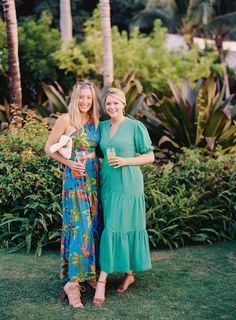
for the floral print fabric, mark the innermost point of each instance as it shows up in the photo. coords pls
(82, 223)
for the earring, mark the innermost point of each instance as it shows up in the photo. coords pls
(123, 111)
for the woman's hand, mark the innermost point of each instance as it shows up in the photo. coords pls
(118, 162)
(76, 166)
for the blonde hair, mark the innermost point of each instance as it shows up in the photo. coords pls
(73, 108)
(115, 93)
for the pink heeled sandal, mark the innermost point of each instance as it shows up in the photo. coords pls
(124, 285)
(71, 292)
(99, 301)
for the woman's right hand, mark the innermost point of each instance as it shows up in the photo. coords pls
(76, 166)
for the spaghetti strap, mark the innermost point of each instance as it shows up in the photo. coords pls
(71, 133)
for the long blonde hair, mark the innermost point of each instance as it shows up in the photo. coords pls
(74, 111)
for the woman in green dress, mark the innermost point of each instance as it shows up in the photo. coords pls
(124, 243)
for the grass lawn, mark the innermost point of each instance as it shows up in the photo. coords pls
(186, 284)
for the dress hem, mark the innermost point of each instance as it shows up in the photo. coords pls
(127, 270)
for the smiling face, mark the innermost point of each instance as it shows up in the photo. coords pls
(85, 100)
(114, 107)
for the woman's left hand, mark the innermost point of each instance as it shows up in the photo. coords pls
(118, 162)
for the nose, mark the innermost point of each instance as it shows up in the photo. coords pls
(85, 100)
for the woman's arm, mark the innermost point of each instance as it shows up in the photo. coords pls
(134, 161)
(58, 130)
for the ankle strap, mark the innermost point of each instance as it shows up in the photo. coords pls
(101, 281)
(129, 275)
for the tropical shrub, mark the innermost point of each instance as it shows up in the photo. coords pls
(147, 56)
(37, 43)
(196, 117)
(30, 189)
(191, 199)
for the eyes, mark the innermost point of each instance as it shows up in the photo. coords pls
(109, 103)
(83, 97)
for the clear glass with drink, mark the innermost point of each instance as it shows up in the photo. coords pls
(111, 153)
(80, 156)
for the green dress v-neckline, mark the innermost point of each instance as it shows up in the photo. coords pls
(117, 130)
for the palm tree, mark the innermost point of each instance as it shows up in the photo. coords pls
(65, 21)
(176, 15)
(14, 78)
(198, 13)
(107, 43)
(194, 17)
(218, 28)
(165, 10)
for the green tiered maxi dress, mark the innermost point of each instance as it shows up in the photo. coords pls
(124, 242)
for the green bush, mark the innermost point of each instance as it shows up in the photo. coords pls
(198, 117)
(37, 43)
(145, 55)
(30, 189)
(192, 200)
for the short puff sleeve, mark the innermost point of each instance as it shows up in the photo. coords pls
(143, 143)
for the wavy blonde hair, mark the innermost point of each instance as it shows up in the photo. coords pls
(73, 108)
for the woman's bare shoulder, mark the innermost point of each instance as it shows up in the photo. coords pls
(65, 117)
(63, 120)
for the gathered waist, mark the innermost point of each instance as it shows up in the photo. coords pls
(84, 153)
(88, 154)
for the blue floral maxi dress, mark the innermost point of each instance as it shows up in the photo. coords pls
(82, 223)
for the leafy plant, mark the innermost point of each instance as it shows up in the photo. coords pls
(30, 190)
(191, 200)
(197, 117)
(56, 98)
(147, 56)
(37, 43)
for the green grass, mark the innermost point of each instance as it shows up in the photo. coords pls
(186, 284)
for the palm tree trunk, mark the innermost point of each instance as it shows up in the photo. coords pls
(65, 21)
(219, 45)
(107, 43)
(14, 78)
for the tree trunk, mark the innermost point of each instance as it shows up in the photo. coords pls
(219, 45)
(107, 43)
(14, 79)
(65, 21)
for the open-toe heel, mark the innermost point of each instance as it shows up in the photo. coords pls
(72, 292)
(99, 301)
(128, 281)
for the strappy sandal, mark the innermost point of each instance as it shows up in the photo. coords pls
(71, 292)
(123, 287)
(99, 301)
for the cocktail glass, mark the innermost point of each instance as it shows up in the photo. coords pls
(111, 153)
(80, 156)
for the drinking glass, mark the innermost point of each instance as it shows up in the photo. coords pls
(111, 153)
(80, 156)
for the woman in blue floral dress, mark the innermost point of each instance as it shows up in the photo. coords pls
(82, 223)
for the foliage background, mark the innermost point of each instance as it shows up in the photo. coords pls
(41, 59)
(192, 199)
